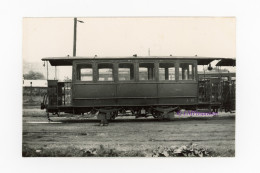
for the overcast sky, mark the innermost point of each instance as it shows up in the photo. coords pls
(46, 37)
(179, 36)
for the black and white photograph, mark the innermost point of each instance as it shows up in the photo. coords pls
(129, 87)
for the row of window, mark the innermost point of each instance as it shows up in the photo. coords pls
(146, 72)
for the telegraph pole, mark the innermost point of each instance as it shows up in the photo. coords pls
(75, 36)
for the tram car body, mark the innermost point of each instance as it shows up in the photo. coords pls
(145, 86)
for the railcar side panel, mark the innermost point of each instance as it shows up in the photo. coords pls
(177, 89)
(132, 94)
(177, 93)
(137, 90)
(137, 94)
(90, 95)
(94, 90)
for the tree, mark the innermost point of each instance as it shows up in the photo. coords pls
(31, 75)
(67, 79)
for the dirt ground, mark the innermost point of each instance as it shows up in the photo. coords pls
(127, 133)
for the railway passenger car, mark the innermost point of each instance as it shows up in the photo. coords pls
(144, 86)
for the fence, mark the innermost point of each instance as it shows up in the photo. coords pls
(34, 91)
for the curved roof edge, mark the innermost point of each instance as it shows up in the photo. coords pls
(227, 62)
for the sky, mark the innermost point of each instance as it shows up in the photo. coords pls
(178, 36)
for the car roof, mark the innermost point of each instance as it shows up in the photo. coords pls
(68, 61)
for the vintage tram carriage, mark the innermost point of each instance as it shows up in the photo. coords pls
(143, 85)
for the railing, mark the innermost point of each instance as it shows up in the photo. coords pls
(66, 93)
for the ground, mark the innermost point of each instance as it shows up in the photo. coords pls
(127, 133)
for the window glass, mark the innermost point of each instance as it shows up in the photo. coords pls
(85, 72)
(105, 72)
(166, 71)
(224, 78)
(125, 72)
(186, 71)
(146, 71)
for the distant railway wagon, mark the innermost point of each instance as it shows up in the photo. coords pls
(218, 88)
(144, 86)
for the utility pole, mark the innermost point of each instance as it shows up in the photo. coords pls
(75, 36)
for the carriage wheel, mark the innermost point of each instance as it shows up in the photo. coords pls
(113, 115)
(158, 115)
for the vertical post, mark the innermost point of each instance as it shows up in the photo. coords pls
(177, 71)
(150, 73)
(183, 73)
(75, 37)
(204, 72)
(230, 85)
(64, 90)
(31, 92)
(47, 71)
(166, 73)
(55, 78)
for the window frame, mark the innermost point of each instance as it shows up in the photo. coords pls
(134, 71)
(165, 62)
(194, 63)
(76, 70)
(114, 71)
(155, 70)
(115, 64)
